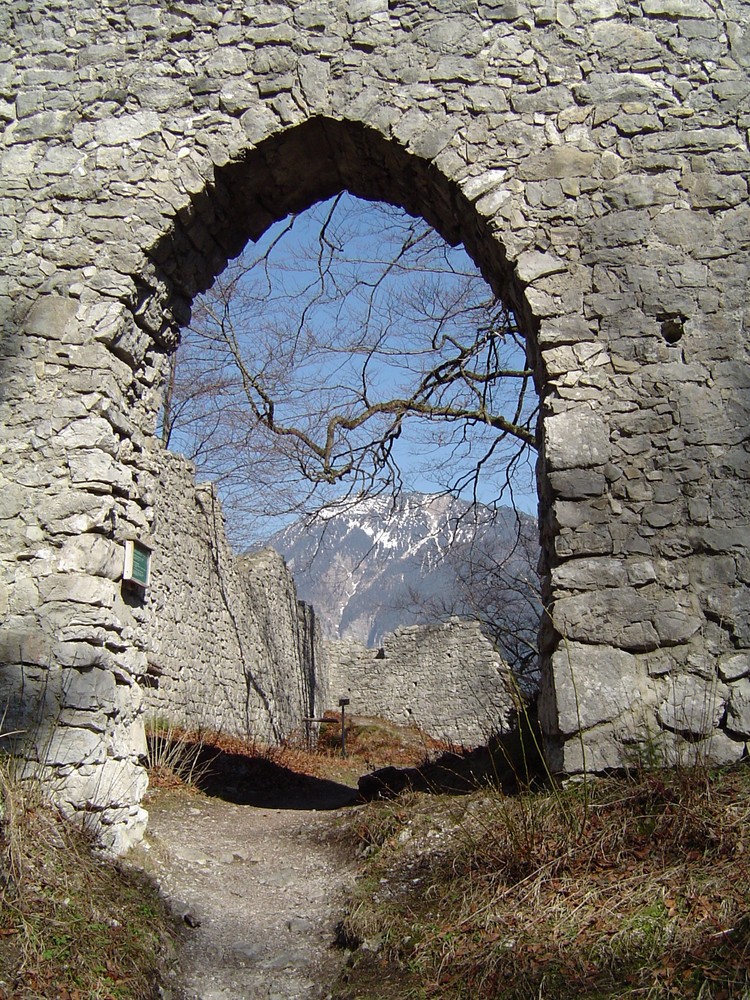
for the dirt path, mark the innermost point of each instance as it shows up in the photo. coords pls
(265, 887)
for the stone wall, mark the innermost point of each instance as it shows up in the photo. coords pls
(592, 156)
(445, 678)
(228, 645)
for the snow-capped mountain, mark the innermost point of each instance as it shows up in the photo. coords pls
(369, 565)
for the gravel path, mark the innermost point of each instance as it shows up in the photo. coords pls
(265, 887)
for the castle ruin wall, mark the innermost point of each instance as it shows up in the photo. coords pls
(594, 159)
(229, 647)
(445, 678)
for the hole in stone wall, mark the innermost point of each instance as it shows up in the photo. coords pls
(672, 327)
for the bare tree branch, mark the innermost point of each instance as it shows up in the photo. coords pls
(318, 356)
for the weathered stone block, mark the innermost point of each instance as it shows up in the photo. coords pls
(619, 616)
(732, 666)
(14, 498)
(595, 684)
(24, 643)
(622, 89)
(590, 574)
(90, 689)
(93, 433)
(565, 330)
(677, 8)
(560, 162)
(79, 589)
(82, 655)
(575, 484)
(92, 554)
(693, 706)
(50, 316)
(43, 125)
(68, 745)
(738, 709)
(619, 229)
(126, 128)
(74, 512)
(576, 439)
(590, 752)
(83, 788)
(532, 265)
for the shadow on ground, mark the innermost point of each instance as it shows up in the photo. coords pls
(511, 762)
(223, 768)
(257, 781)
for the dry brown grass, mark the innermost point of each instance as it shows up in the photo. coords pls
(373, 742)
(635, 887)
(180, 757)
(73, 926)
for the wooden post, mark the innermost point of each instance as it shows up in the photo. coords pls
(343, 702)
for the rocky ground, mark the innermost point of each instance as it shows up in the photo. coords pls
(260, 889)
(251, 856)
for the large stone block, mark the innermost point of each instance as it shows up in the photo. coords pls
(91, 689)
(23, 642)
(732, 666)
(576, 439)
(694, 706)
(677, 8)
(738, 709)
(618, 616)
(92, 554)
(78, 588)
(590, 574)
(560, 162)
(117, 783)
(71, 746)
(93, 433)
(596, 684)
(50, 317)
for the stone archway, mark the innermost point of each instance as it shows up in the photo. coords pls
(599, 148)
(286, 173)
(245, 607)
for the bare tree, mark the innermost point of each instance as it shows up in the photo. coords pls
(346, 330)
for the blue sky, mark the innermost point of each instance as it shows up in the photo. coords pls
(307, 308)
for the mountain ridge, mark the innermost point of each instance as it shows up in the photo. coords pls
(368, 565)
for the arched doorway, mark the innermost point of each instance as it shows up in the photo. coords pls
(342, 156)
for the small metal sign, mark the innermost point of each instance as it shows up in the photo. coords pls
(137, 569)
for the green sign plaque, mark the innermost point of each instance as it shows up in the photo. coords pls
(137, 563)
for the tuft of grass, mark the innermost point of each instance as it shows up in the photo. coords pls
(73, 925)
(636, 886)
(174, 756)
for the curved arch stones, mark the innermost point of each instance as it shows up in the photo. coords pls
(594, 158)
